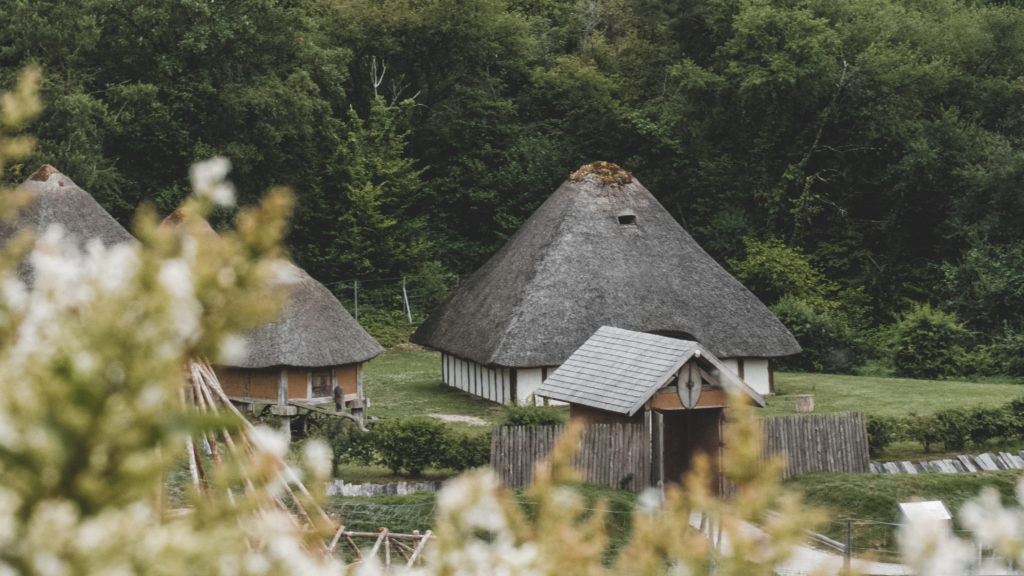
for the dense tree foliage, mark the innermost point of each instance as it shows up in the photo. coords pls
(881, 140)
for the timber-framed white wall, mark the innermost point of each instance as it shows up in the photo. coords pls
(497, 384)
(756, 372)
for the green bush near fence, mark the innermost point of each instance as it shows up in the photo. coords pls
(408, 445)
(535, 416)
(954, 428)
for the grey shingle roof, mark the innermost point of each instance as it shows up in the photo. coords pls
(619, 370)
(576, 265)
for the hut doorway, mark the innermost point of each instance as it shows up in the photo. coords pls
(682, 434)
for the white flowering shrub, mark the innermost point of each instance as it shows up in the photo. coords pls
(92, 412)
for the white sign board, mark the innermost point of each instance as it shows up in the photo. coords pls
(931, 511)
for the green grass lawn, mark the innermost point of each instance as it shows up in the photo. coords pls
(884, 396)
(870, 500)
(406, 381)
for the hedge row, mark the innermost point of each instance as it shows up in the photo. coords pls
(954, 428)
(410, 444)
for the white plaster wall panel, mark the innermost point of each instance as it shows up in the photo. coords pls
(731, 364)
(527, 382)
(756, 374)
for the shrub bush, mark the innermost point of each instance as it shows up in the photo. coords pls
(882, 431)
(464, 450)
(953, 427)
(828, 343)
(348, 443)
(929, 343)
(535, 416)
(1008, 353)
(773, 270)
(923, 429)
(984, 424)
(389, 327)
(411, 444)
(1015, 411)
(414, 444)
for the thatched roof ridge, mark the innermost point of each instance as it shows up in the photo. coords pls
(53, 198)
(313, 331)
(599, 253)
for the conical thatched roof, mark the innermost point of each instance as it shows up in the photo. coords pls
(600, 251)
(55, 199)
(314, 329)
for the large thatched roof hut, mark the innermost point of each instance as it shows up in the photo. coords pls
(600, 251)
(312, 350)
(54, 199)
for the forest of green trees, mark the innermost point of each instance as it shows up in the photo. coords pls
(857, 163)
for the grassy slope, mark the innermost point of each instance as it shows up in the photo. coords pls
(871, 499)
(406, 381)
(875, 496)
(884, 396)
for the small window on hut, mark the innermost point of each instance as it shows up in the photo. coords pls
(321, 384)
(627, 219)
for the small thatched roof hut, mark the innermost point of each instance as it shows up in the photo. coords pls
(54, 199)
(677, 389)
(312, 349)
(600, 251)
(314, 330)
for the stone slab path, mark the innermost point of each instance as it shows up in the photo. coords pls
(963, 463)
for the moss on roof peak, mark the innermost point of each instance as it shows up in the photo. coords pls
(43, 173)
(606, 172)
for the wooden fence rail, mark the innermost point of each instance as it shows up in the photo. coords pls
(819, 442)
(614, 455)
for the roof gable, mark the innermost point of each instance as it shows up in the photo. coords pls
(599, 253)
(619, 370)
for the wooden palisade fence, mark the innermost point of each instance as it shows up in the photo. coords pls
(619, 455)
(614, 455)
(818, 443)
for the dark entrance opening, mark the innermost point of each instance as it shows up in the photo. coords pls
(686, 433)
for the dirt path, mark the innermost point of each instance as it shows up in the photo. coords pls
(472, 420)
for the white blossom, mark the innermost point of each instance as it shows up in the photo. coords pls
(929, 547)
(9, 501)
(988, 520)
(270, 441)
(233, 349)
(176, 279)
(317, 456)
(208, 180)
